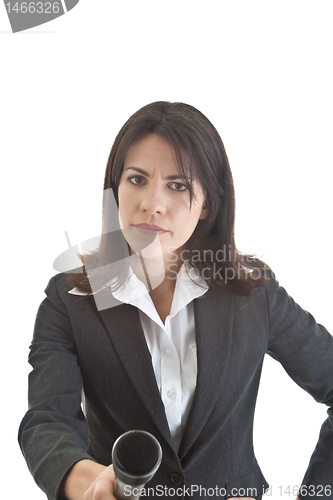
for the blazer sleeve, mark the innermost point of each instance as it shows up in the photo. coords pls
(53, 434)
(305, 349)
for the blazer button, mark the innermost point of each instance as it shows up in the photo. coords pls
(176, 479)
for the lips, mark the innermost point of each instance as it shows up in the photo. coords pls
(150, 229)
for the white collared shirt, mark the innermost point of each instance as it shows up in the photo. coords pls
(172, 345)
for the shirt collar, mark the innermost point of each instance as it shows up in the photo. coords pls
(189, 286)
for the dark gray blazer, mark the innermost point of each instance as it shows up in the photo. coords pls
(105, 352)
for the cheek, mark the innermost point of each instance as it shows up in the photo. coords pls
(125, 203)
(122, 213)
(128, 198)
(188, 215)
(180, 209)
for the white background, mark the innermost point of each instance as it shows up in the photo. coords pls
(261, 71)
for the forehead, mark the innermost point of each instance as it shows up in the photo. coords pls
(151, 151)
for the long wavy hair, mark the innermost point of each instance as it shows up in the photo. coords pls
(199, 154)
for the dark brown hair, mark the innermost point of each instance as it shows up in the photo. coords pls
(200, 154)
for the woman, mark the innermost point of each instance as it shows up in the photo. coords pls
(165, 327)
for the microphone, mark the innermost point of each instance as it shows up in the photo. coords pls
(136, 456)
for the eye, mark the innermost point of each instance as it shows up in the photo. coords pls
(177, 186)
(137, 180)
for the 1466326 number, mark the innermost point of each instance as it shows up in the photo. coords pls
(34, 7)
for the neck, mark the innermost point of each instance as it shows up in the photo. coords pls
(155, 273)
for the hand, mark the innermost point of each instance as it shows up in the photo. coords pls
(103, 486)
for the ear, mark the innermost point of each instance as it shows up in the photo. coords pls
(204, 211)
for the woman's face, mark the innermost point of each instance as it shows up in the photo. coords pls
(154, 203)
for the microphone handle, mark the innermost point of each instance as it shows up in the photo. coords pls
(124, 491)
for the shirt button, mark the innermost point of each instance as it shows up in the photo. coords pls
(176, 479)
(171, 394)
(168, 351)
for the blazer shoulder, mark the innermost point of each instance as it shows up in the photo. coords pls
(59, 283)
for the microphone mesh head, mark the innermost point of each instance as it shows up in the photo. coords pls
(137, 452)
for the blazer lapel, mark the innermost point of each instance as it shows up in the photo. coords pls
(213, 329)
(124, 328)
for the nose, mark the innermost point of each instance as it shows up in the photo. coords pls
(153, 201)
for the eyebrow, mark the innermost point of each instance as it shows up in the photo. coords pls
(143, 172)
